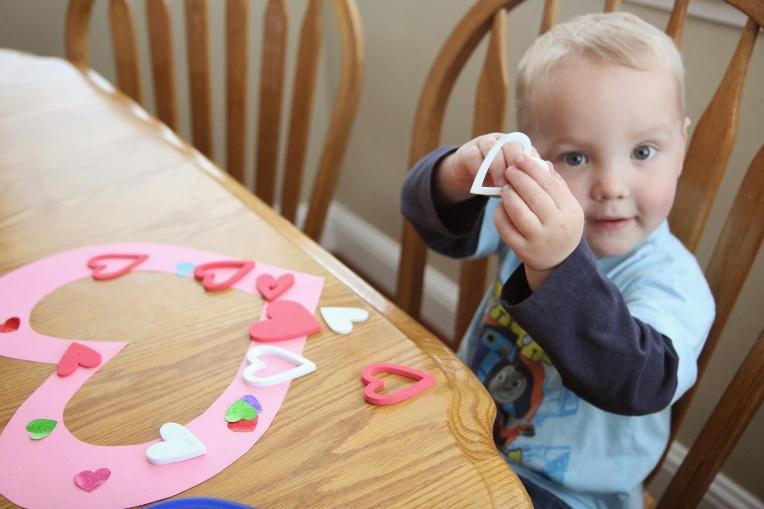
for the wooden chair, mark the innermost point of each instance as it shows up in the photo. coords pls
(707, 157)
(237, 44)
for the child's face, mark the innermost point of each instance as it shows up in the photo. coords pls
(617, 138)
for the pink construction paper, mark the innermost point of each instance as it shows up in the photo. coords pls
(37, 473)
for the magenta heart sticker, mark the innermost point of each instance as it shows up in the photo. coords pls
(286, 320)
(272, 288)
(88, 480)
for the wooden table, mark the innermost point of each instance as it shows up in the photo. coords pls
(79, 165)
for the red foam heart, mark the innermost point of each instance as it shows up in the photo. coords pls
(206, 273)
(271, 288)
(89, 481)
(100, 267)
(373, 384)
(77, 355)
(243, 424)
(10, 325)
(286, 320)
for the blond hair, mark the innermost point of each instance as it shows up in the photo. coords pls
(617, 38)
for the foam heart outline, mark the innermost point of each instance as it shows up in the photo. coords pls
(286, 320)
(272, 288)
(303, 366)
(206, 273)
(341, 319)
(88, 480)
(178, 444)
(77, 355)
(518, 137)
(100, 268)
(423, 380)
(10, 325)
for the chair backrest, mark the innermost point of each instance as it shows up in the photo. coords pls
(272, 71)
(708, 153)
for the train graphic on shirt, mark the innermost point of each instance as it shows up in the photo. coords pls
(512, 366)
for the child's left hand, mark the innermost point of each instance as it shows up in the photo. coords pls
(539, 218)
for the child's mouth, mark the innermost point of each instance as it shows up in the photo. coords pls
(611, 223)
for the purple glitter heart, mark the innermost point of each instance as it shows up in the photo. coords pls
(248, 398)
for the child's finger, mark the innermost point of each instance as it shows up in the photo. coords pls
(507, 230)
(530, 191)
(547, 179)
(526, 222)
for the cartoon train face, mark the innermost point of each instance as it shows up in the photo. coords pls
(48, 467)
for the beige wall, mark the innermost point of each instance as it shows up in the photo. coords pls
(402, 39)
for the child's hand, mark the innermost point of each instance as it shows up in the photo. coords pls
(539, 218)
(455, 174)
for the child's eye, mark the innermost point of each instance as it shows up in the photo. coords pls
(574, 158)
(643, 152)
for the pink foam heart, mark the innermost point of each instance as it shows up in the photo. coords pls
(209, 273)
(120, 265)
(286, 320)
(89, 481)
(10, 325)
(77, 355)
(373, 384)
(272, 288)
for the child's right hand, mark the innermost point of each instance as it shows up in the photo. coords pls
(455, 174)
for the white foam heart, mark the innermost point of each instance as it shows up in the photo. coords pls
(303, 366)
(477, 184)
(178, 444)
(340, 320)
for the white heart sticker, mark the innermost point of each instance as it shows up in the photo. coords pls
(477, 184)
(302, 367)
(340, 320)
(179, 444)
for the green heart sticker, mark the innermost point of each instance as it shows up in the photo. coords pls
(240, 410)
(40, 428)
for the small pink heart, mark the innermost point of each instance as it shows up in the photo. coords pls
(100, 265)
(75, 356)
(287, 320)
(271, 288)
(10, 325)
(89, 481)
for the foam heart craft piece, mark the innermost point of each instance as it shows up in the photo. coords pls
(75, 356)
(88, 481)
(286, 320)
(240, 410)
(373, 384)
(340, 320)
(40, 428)
(302, 367)
(125, 263)
(477, 184)
(10, 325)
(178, 444)
(243, 425)
(207, 273)
(272, 288)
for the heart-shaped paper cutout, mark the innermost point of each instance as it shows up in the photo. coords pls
(243, 425)
(477, 184)
(240, 410)
(179, 444)
(286, 320)
(422, 379)
(124, 263)
(272, 288)
(77, 355)
(206, 273)
(40, 428)
(302, 366)
(248, 398)
(10, 325)
(89, 481)
(340, 320)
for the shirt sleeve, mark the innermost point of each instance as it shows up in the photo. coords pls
(453, 231)
(603, 354)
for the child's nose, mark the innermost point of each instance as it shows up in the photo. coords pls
(609, 185)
